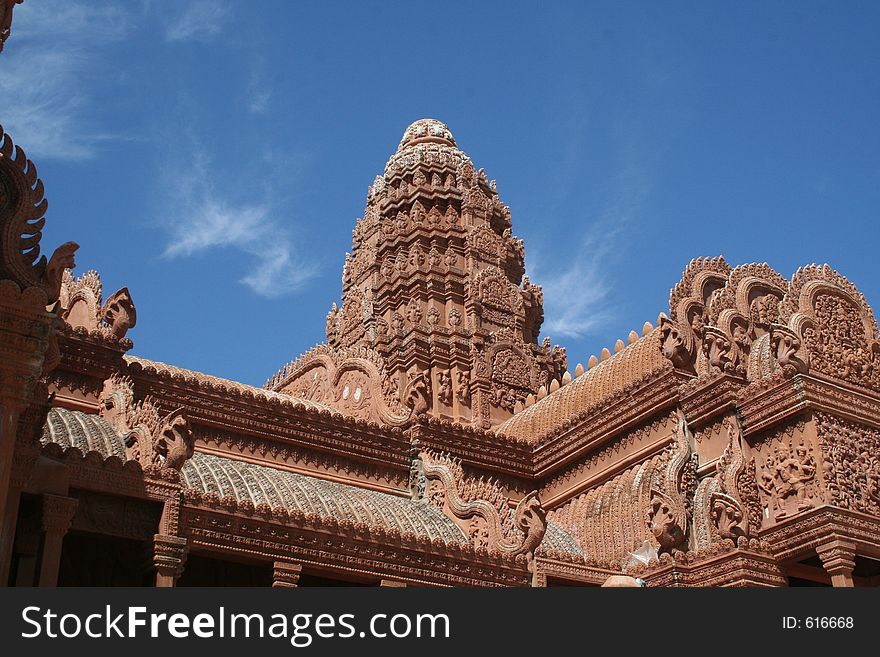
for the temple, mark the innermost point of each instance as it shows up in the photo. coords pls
(432, 439)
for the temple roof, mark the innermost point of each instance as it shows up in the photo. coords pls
(258, 484)
(85, 432)
(595, 387)
(207, 380)
(557, 541)
(252, 484)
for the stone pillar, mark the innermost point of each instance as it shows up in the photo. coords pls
(7, 532)
(169, 558)
(286, 575)
(56, 516)
(9, 495)
(25, 328)
(391, 583)
(24, 458)
(839, 559)
(26, 551)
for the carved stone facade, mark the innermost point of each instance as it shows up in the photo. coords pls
(433, 440)
(433, 289)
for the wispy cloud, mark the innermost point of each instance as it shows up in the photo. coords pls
(46, 103)
(577, 297)
(200, 21)
(207, 220)
(258, 100)
(258, 91)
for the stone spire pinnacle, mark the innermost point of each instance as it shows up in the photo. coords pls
(433, 292)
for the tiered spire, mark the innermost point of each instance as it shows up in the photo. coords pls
(434, 287)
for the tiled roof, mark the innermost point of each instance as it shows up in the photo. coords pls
(596, 386)
(261, 484)
(207, 380)
(559, 541)
(88, 433)
(258, 484)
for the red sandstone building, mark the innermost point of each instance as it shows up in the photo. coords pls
(432, 440)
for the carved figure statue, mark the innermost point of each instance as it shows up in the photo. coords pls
(792, 474)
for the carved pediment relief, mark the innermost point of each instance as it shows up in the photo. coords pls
(354, 385)
(835, 325)
(513, 379)
(749, 321)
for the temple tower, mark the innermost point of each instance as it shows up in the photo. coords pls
(433, 295)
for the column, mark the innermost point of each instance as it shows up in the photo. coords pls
(57, 514)
(8, 496)
(286, 574)
(839, 559)
(169, 558)
(24, 458)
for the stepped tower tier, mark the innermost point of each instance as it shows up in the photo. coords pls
(436, 315)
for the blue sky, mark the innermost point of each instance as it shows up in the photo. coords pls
(213, 155)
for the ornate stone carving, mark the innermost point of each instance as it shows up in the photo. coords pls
(426, 271)
(161, 444)
(726, 505)
(836, 325)
(786, 476)
(851, 465)
(6, 7)
(677, 344)
(670, 507)
(22, 217)
(616, 464)
(286, 575)
(480, 507)
(169, 557)
(462, 387)
(723, 353)
(444, 387)
(82, 309)
(417, 394)
(119, 313)
(785, 344)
